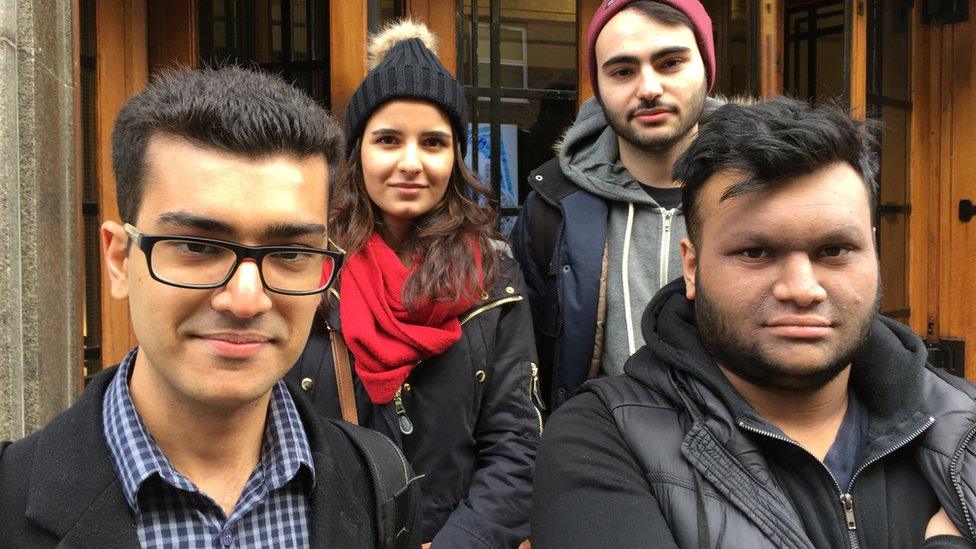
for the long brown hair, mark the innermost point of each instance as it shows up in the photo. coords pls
(441, 238)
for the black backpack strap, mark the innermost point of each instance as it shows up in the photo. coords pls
(397, 504)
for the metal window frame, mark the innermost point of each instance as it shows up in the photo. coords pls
(493, 91)
(318, 61)
(794, 37)
(90, 207)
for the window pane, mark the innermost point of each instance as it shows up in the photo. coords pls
(814, 44)
(538, 54)
(285, 37)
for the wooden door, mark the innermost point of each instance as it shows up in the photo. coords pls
(943, 248)
(958, 300)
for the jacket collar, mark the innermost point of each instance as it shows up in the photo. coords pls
(75, 492)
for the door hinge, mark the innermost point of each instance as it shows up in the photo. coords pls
(948, 354)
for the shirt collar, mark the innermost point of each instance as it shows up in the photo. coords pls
(137, 457)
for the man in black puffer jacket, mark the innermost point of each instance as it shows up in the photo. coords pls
(771, 405)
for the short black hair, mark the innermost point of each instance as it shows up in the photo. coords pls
(771, 142)
(662, 13)
(228, 109)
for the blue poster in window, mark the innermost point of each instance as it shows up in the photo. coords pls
(508, 185)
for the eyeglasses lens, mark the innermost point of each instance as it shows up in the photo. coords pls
(197, 264)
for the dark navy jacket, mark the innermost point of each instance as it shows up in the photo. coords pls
(564, 288)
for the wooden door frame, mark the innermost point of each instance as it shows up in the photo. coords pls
(122, 70)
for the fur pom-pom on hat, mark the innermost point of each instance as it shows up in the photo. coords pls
(392, 34)
(403, 65)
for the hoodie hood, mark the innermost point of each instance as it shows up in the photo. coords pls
(589, 156)
(887, 372)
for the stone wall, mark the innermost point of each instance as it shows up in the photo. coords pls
(40, 266)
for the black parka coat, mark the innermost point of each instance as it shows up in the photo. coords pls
(468, 420)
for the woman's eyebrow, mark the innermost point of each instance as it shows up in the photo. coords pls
(437, 133)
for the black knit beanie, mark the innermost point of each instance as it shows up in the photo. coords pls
(406, 68)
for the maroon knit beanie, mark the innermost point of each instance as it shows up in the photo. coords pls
(701, 26)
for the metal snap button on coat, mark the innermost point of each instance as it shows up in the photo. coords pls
(307, 384)
(538, 178)
(480, 376)
(566, 268)
(510, 290)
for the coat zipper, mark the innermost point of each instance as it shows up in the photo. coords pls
(667, 216)
(406, 426)
(557, 352)
(846, 499)
(954, 475)
(537, 404)
(490, 306)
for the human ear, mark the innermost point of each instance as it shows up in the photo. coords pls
(115, 253)
(689, 265)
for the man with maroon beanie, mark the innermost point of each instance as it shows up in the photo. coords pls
(599, 234)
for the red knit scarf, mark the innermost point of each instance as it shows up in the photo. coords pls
(386, 340)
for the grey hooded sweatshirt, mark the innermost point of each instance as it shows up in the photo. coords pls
(643, 238)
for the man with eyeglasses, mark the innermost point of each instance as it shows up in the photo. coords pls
(194, 440)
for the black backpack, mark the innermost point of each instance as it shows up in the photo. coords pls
(3, 446)
(396, 504)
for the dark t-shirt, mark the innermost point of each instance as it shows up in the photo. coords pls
(669, 198)
(848, 448)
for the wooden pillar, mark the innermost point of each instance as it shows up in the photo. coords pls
(584, 13)
(347, 26)
(439, 16)
(122, 70)
(771, 48)
(172, 33)
(925, 173)
(857, 88)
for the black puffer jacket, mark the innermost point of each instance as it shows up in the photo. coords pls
(472, 410)
(670, 455)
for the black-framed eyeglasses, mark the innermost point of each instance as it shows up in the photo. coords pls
(207, 263)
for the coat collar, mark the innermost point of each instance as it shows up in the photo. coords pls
(75, 492)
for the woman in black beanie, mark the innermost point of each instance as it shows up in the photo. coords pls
(430, 305)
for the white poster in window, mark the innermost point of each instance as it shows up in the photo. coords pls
(508, 186)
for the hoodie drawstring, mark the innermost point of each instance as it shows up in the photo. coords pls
(631, 343)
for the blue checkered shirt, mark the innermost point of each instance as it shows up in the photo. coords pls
(169, 510)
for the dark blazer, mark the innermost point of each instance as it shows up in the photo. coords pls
(58, 486)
